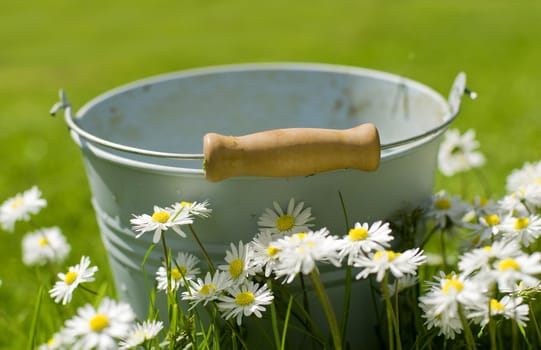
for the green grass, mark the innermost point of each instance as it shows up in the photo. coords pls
(88, 47)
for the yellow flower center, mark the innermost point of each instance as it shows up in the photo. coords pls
(390, 255)
(521, 223)
(272, 251)
(495, 305)
(487, 248)
(507, 264)
(43, 242)
(285, 223)
(17, 203)
(71, 276)
(177, 273)
(236, 267)
(186, 204)
(51, 342)
(483, 202)
(443, 204)
(98, 322)
(358, 234)
(244, 298)
(207, 288)
(161, 217)
(300, 235)
(492, 220)
(455, 284)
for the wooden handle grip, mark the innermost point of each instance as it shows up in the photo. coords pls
(291, 152)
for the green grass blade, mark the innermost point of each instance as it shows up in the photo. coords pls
(286, 322)
(34, 324)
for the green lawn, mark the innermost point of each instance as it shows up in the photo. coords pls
(88, 47)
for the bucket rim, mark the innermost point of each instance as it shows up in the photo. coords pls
(448, 117)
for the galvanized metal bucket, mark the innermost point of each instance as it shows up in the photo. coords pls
(142, 146)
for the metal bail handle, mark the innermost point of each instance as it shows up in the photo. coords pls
(291, 152)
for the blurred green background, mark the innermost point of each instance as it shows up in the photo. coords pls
(89, 47)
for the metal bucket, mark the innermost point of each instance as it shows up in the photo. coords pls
(142, 146)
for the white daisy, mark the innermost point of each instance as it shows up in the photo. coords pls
(80, 273)
(458, 153)
(363, 239)
(183, 268)
(56, 342)
(483, 206)
(488, 227)
(529, 195)
(524, 230)
(100, 328)
(446, 210)
(207, 289)
(294, 219)
(511, 205)
(508, 307)
(480, 259)
(399, 264)
(264, 252)
(200, 210)
(45, 245)
(301, 251)
(21, 207)
(244, 300)
(402, 283)
(442, 302)
(512, 270)
(140, 333)
(161, 220)
(239, 262)
(157, 222)
(179, 219)
(530, 173)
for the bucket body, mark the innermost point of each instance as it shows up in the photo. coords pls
(172, 113)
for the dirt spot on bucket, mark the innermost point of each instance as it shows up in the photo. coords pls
(357, 108)
(338, 104)
(115, 121)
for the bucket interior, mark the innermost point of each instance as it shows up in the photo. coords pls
(172, 113)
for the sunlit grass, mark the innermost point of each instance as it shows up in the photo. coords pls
(90, 47)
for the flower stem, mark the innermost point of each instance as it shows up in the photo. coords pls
(167, 264)
(514, 336)
(327, 308)
(443, 253)
(470, 340)
(347, 301)
(428, 236)
(203, 250)
(492, 333)
(392, 321)
(347, 292)
(483, 181)
(535, 323)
